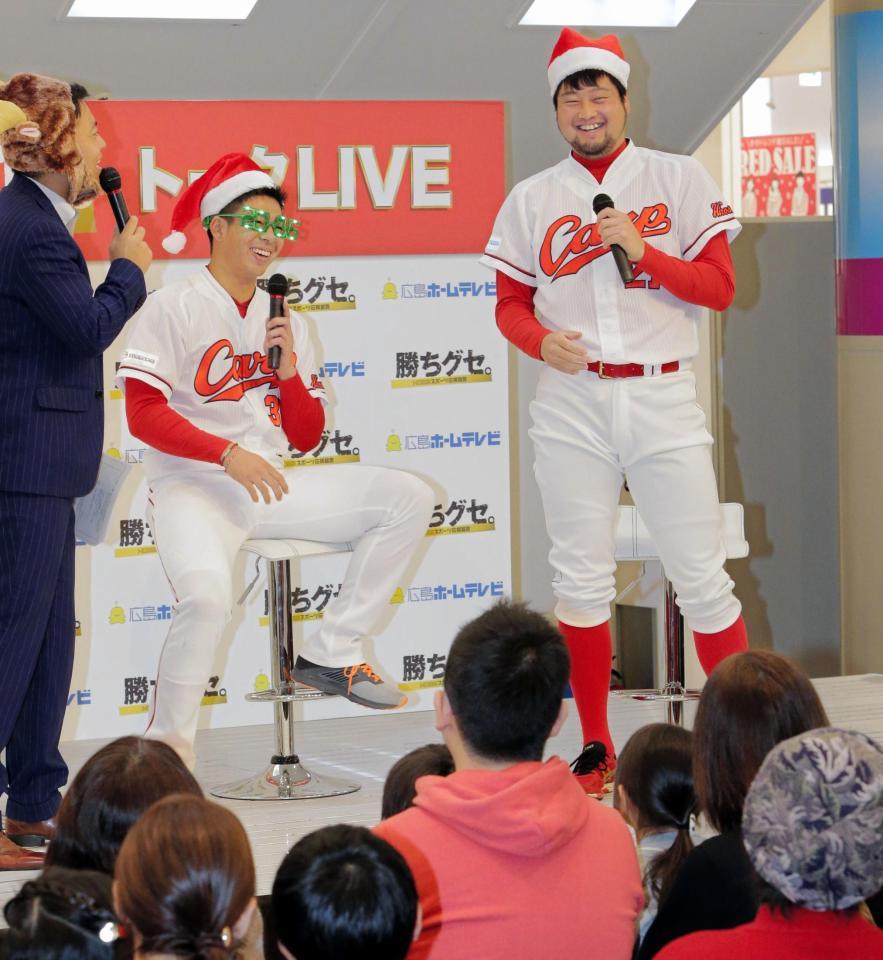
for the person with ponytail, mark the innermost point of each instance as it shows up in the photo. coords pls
(185, 881)
(653, 792)
(751, 702)
(63, 915)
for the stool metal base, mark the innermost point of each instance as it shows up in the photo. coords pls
(285, 778)
(673, 693)
(285, 781)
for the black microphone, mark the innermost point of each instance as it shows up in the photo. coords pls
(112, 184)
(603, 202)
(277, 287)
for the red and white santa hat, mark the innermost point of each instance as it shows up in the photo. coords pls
(225, 180)
(573, 52)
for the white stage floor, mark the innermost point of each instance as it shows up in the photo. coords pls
(364, 749)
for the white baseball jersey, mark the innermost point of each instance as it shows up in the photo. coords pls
(545, 236)
(189, 342)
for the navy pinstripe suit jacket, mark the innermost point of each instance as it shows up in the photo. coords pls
(53, 330)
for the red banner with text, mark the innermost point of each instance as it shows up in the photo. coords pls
(364, 178)
(779, 175)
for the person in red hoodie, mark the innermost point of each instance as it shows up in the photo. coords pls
(510, 858)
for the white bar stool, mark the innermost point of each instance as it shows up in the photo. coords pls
(633, 542)
(285, 778)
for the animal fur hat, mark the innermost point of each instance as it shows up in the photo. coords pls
(38, 133)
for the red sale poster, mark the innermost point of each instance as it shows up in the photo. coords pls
(779, 175)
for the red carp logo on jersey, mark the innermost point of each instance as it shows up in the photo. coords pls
(233, 373)
(582, 241)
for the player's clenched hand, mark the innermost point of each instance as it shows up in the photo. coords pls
(130, 245)
(560, 351)
(279, 335)
(617, 227)
(255, 474)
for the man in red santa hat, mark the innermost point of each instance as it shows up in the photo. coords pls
(616, 397)
(218, 419)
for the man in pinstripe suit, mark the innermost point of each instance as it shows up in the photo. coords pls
(53, 330)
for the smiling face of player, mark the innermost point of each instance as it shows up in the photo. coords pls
(240, 253)
(592, 119)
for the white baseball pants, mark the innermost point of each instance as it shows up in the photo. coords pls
(588, 433)
(200, 521)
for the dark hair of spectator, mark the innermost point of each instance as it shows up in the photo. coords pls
(343, 893)
(655, 768)
(63, 915)
(505, 678)
(78, 93)
(587, 78)
(400, 788)
(275, 193)
(751, 702)
(111, 791)
(184, 877)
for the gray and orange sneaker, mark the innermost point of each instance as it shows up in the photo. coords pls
(359, 683)
(594, 769)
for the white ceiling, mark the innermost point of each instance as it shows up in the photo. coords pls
(683, 80)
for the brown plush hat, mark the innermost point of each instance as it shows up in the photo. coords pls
(47, 107)
(48, 104)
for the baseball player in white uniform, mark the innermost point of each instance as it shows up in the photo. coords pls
(218, 420)
(616, 397)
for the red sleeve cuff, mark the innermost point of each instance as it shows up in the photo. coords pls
(154, 422)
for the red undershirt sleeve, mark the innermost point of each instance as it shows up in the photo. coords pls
(153, 421)
(515, 315)
(708, 280)
(303, 416)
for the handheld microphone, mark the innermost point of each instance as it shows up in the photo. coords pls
(277, 287)
(603, 202)
(112, 184)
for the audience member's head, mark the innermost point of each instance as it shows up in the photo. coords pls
(63, 915)
(654, 793)
(751, 702)
(342, 893)
(111, 791)
(400, 787)
(185, 881)
(813, 821)
(504, 682)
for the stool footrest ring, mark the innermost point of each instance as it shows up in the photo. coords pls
(664, 695)
(286, 694)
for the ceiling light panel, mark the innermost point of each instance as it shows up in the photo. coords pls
(225, 10)
(606, 13)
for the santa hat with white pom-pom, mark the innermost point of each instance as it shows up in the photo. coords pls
(225, 180)
(574, 53)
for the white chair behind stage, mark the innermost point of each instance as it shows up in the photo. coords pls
(285, 778)
(633, 542)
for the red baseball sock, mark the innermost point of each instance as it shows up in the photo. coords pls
(591, 657)
(711, 648)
